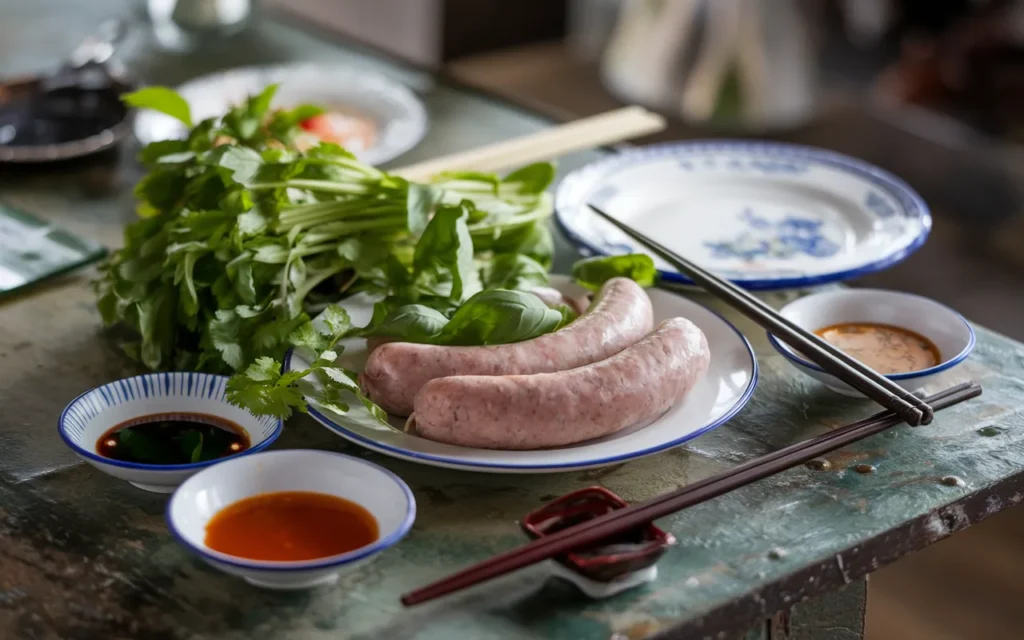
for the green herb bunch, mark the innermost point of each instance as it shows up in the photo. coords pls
(242, 238)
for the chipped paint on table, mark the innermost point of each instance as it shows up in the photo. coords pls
(84, 555)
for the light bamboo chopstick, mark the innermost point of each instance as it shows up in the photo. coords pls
(586, 133)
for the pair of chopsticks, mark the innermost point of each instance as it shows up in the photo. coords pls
(851, 371)
(622, 520)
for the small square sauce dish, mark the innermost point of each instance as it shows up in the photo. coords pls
(908, 338)
(291, 519)
(613, 565)
(156, 430)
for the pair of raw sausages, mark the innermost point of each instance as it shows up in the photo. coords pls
(602, 373)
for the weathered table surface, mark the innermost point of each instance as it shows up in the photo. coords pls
(83, 555)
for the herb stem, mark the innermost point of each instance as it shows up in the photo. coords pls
(325, 186)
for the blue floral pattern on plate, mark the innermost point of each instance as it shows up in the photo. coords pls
(816, 216)
(785, 238)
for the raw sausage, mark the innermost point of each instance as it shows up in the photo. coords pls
(620, 316)
(553, 297)
(632, 387)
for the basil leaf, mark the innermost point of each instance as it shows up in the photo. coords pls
(498, 316)
(533, 240)
(513, 271)
(162, 99)
(531, 179)
(411, 323)
(594, 272)
(443, 260)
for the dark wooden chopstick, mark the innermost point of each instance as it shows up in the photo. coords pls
(851, 371)
(622, 520)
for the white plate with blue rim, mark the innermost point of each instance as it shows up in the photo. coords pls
(724, 390)
(381, 117)
(763, 215)
(178, 395)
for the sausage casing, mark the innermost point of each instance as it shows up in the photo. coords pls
(620, 315)
(542, 410)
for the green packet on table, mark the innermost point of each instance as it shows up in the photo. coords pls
(32, 250)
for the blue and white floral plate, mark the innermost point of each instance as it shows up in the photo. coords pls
(764, 215)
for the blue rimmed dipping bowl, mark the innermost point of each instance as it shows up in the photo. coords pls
(98, 410)
(945, 328)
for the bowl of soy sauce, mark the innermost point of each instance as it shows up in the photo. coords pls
(157, 429)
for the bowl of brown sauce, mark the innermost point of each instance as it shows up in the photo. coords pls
(910, 339)
(291, 519)
(157, 429)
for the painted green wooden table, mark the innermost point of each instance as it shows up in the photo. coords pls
(83, 555)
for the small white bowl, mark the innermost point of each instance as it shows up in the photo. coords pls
(203, 495)
(93, 413)
(947, 329)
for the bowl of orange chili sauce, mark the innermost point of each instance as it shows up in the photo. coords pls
(912, 340)
(291, 519)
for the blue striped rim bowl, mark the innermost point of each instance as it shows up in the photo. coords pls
(946, 329)
(371, 486)
(98, 410)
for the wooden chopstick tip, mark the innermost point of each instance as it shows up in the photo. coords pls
(746, 473)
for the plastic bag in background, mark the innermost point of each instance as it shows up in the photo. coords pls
(729, 63)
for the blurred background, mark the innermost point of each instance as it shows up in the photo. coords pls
(932, 90)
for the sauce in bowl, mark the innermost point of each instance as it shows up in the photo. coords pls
(172, 438)
(885, 348)
(291, 526)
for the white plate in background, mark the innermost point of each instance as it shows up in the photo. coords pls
(399, 116)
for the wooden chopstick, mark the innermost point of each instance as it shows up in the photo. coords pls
(850, 370)
(622, 520)
(586, 133)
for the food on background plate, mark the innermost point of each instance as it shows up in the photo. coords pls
(885, 348)
(621, 315)
(632, 387)
(354, 132)
(172, 438)
(291, 526)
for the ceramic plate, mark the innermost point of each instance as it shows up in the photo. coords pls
(764, 215)
(727, 386)
(398, 114)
